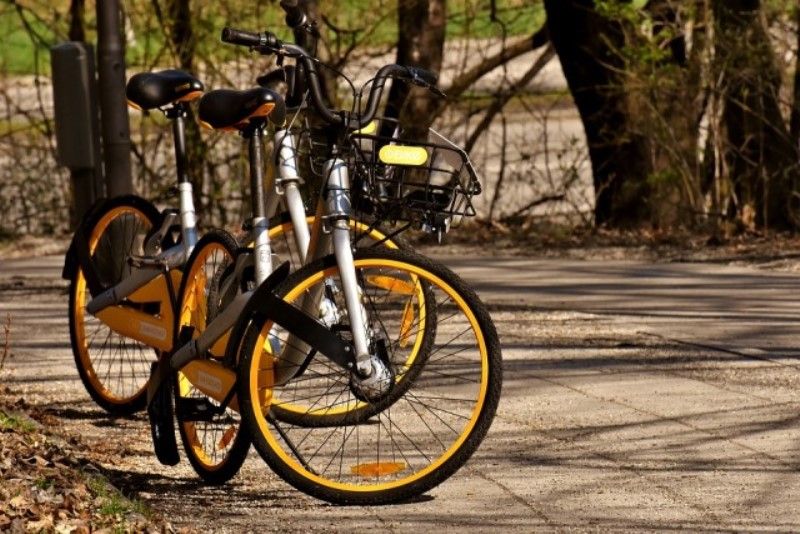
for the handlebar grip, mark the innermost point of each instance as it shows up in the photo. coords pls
(241, 37)
(295, 16)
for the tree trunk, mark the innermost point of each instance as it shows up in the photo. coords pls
(795, 121)
(420, 43)
(668, 101)
(759, 152)
(588, 46)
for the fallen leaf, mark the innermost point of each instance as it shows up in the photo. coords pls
(44, 523)
(20, 502)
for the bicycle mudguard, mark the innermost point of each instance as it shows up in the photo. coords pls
(308, 329)
(161, 415)
(72, 258)
(78, 254)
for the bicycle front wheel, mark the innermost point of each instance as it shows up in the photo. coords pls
(212, 436)
(415, 435)
(364, 234)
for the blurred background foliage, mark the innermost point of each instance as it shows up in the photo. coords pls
(585, 113)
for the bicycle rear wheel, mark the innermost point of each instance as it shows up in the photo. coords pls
(114, 369)
(408, 440)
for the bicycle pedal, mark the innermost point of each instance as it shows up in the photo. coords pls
(195, 410)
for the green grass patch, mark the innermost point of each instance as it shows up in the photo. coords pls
(112, 502)
(476, 20)
(27, 38)
(11, 421)
(26, 43)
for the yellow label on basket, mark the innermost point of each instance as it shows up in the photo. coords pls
(403, 155)
(369, 129)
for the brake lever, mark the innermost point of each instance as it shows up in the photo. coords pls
(435, 90)
(432, 88)
(414, 79)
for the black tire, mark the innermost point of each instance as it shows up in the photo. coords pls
(211, 469)
(411, 415)
(161, 414)
(133, 399)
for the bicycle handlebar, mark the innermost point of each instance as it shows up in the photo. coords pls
(250, 39)
(268, 43)
(426, 76)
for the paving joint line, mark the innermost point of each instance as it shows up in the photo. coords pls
(513, 495)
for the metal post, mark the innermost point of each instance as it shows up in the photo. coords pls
(113, 106)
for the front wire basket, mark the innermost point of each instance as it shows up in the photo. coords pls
(429, 183)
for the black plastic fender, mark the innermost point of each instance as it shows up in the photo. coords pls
(265, 304)
(163, 370)
(161, 416)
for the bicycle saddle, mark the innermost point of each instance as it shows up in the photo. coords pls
(149, 90)
(228, 109)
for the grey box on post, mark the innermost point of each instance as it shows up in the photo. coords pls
(76, 120)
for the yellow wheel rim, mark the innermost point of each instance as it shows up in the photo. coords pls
(370, 474)
(140, 368)
(209, 444)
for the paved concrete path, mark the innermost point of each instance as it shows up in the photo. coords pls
(636, 396)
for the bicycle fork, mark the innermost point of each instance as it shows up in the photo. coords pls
(371, 375)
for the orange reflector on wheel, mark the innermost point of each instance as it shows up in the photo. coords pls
(226, 438)
(378, 469)
(390, 283)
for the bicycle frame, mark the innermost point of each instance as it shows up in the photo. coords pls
(212, 376)
(156, 278)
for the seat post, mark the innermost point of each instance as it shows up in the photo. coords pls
(260, 224)
(177, 114)
(254, 135)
